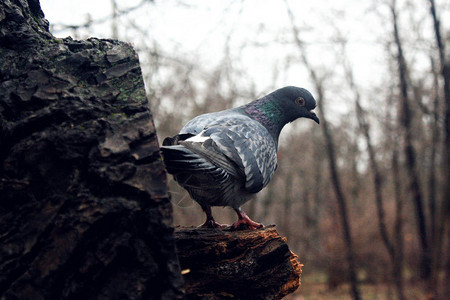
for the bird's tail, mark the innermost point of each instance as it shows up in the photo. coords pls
(178, 159)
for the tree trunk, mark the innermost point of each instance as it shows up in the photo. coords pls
(444, 219)
(397, 267)
(287, 205)
(378, 188)
(84, 209)
(250, 264)
(377, 177)
(432, 186)
(410, 154)
(342, 204)
(342, 201)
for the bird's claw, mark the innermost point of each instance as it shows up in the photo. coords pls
(243, 224)
(213, 224)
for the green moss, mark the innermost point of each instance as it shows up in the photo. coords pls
(117, 116)
(56, 40)
(131, 88)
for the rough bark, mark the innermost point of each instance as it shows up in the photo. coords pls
(84, 206)
(251, 264)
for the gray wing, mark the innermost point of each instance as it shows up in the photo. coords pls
(242, 140)
(199, 123)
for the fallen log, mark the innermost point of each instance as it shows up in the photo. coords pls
(224, 264)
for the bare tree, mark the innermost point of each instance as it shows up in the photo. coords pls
(444, 219)
(377, 176)
(410, 153)
(433, 183)
(340, 197)
(397, 267)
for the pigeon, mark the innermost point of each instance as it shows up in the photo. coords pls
(224, 158)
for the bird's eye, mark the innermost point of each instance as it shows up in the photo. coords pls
(300, 101)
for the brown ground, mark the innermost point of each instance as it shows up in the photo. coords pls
(313, 289)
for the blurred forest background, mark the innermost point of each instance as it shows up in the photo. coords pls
(363, 198)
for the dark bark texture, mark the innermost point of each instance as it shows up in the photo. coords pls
(250, 264)
(84, 205)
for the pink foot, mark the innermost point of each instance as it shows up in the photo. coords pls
(244, 222)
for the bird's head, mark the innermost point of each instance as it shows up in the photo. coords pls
(281, 107)
(295, 103)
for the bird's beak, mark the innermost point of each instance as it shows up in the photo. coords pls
(313, 116)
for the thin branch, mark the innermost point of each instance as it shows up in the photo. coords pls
(89, 22)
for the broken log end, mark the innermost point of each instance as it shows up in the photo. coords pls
(220, 264)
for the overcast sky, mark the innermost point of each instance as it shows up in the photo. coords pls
(256, 31)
